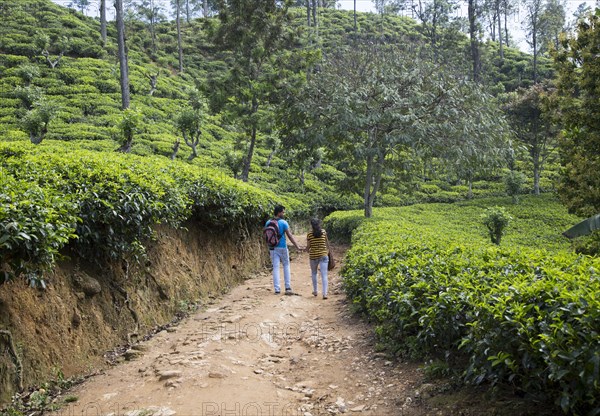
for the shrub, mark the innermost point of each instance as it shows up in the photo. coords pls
(341, 225)
(34, 224)
(12, 60)
(589, 244)
(514, 181)
(496, 220)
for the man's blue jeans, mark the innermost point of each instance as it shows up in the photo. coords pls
(281, 255)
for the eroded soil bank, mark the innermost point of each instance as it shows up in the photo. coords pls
(88, 310)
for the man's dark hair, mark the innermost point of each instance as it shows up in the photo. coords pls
(278, 209)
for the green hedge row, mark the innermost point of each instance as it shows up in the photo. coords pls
(517, 314)
(106, 203)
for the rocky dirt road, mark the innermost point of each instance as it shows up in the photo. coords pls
(252, 352)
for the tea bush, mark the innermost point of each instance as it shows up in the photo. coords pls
(340, 225)
(34, 224)
(527, 313)
(105, 203)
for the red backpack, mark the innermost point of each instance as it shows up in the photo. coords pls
(271, 233)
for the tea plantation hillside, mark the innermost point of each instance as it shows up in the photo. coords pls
(524, 313)
(83, 89)
(55, 55)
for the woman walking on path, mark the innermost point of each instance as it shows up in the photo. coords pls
(318, 249)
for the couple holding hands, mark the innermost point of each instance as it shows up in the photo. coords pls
(276, 231)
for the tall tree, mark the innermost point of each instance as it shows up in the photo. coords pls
(491, 14)
(534, 26)
(189, 122)
(434, 15)
(508, 9)
(123, 65)
(497, 4)
(82, 5)
(44, 45)
(178, 4)
(370, 104)
(580, 13)
(262, 59)
(103, 21)
(578, 95)
(151, 11)
(533, 126)
(355, 26)
(553, 22)
(474, 39)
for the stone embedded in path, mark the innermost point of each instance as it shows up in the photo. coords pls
(233, 319)
(173, 383)
(132, 354)
(152, 411)
(215, 374)
(341, 404)
(358, 408)
(140, 347)
(167, 374)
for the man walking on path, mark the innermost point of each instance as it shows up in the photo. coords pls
(280, 254)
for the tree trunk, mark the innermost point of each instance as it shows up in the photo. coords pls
(122, 55)
(250, 154)
(308, 12)
(126, 147)
(536, 177)
(475, 56)
(270, 158)
(493, 28)
(153, 32)
(536, 159)
(103, 21)
(314, 13)
(368, 182)
(153, 82)
(535, 54)
(355, 26)
(470, 192)
(373, 181)
(248, 158)
(506, 25)
(175, 149)
(194, 152)
(499, 29)
(35, 139)
(205, 8)
(179, 48)
(52, 63)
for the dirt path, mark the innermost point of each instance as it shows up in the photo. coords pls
(252, 352)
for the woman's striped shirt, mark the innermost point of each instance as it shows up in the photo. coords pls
(318, 245)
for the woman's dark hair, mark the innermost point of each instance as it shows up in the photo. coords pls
(317, 231)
